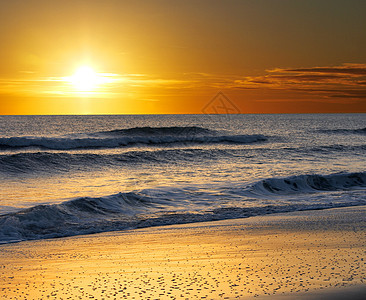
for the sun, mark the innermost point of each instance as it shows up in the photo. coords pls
(85, 79)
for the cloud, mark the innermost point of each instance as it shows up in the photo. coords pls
(344, 81)
(350, 69)
(327, 83)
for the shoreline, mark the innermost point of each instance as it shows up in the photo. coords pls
(301, 255)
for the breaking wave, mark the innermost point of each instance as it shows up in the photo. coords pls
(165, 207)
(309, 184)
(43, 162)
(128, 137)
(174, 130)
(345, 131)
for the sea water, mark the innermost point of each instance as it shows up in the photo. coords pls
(70, 175)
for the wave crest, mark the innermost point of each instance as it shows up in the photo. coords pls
(77, 216)
(309, 184)
(174, 130)
(128, 137)
(345, 131)
(164, 206)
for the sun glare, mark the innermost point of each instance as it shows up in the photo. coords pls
(85, 79)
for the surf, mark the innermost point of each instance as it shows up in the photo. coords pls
(143, 136)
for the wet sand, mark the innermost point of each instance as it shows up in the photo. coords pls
(302, 255)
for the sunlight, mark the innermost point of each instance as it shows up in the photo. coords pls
(85, 79)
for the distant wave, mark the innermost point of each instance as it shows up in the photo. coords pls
(339, 148)
(309, 184)
(174, 130)
(128, 137)
(50, 162)
(161, 207)
(344, 131)
(33, 163)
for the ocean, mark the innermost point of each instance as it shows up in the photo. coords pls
(70, 175)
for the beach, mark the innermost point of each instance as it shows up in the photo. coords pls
(298, 255)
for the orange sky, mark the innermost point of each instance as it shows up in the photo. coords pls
(267, 56)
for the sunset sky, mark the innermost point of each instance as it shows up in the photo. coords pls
(137, 57)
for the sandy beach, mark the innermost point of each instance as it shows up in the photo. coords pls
(301, 255)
